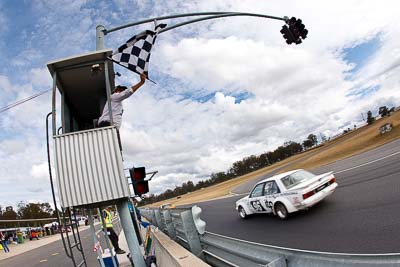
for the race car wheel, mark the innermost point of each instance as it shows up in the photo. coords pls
(242, 213)
(281, 211)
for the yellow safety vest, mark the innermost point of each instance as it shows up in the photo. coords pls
(108, 219)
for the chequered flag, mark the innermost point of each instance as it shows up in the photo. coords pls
(135, 53)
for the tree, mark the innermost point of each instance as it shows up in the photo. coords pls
(291, 148)
(323, 138)
(383, 111)
(307, 144)
(54, 214)
(370, 119)
(218, 177)
(313, 138)
(264, 160)
(310, 141)
(9, 213)
(238, 168)
(34, 210)
(190, 186)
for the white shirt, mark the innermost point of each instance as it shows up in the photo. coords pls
(116, 107)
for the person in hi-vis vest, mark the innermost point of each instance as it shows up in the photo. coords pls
(110, 231)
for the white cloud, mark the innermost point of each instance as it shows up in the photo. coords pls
(40, 171)
(12, 146)
(40, 78)
(26, 57)
(5, 88)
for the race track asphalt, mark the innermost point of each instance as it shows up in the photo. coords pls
(53, 254)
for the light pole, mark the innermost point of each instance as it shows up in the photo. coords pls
(100, 37)
(101, 31)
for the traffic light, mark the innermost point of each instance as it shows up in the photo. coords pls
(295, 32)
(287, 34)
(139, 184)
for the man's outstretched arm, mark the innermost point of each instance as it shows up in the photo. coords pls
(127, 93)
(139, 84)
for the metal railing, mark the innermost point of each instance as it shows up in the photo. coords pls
(185, 227)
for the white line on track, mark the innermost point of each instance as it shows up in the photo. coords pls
(369, 162)
(241, 194)
(355, 167)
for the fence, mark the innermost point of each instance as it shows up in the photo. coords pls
(185, 227)
(24, 223)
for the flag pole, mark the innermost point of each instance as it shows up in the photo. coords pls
(147, 77)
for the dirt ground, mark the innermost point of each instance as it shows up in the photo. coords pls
(347, 145)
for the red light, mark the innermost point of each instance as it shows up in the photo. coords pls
(333, 180)
(140, 185)
(307, 195)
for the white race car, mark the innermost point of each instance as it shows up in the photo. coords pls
(286, 193)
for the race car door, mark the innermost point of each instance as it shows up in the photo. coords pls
(271, 191)
(256, 199)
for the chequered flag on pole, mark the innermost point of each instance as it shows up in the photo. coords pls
(135, 53)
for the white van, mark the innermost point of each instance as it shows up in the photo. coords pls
(80, 220)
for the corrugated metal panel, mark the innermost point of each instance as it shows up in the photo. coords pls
(89, 167)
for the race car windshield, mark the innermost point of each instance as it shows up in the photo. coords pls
(296, 178)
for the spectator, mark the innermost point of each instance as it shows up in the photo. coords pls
(110, 231)
(34, 234)
(4, 242)
(133, 207)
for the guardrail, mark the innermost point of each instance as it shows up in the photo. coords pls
(185, 227)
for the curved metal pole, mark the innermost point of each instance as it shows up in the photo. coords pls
(221, 16)
(211, 15)
(48, 161)
(161, 18)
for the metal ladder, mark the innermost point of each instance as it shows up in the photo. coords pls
(72, 242)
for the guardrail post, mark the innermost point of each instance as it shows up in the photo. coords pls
(279, 262)
(169, 225)
(200, 224)
(158, 220)
(153, 218)
(191, 234)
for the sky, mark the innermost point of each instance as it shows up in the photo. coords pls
(226, 88)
